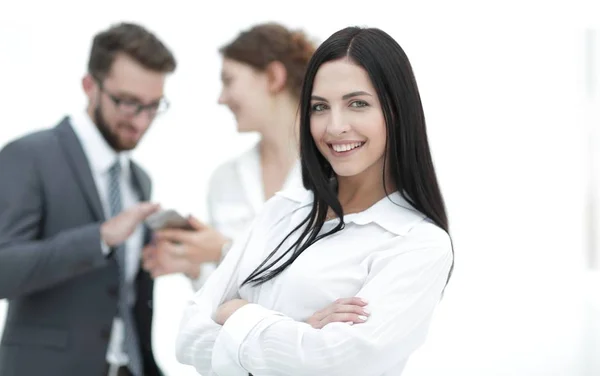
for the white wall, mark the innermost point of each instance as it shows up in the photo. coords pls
(503, 92)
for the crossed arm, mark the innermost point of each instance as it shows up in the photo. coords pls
(238, 338)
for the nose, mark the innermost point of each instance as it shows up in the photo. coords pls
(222, 98)
(142, 120)
(338, 123)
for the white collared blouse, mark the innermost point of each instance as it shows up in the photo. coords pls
(390, 254)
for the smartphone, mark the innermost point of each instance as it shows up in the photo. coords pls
(168, 219)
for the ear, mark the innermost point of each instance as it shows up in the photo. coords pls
(277, 77)
(89, 87)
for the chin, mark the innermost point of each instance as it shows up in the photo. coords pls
(127, 145)
(346, 171)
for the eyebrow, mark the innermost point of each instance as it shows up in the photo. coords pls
(123, 94)
(344, 97)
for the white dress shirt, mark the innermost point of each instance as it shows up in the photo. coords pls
(390, 254)
(236, 195)
(101, 157)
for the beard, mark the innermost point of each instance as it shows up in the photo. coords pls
(111, 136)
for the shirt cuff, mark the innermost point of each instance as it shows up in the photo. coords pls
(105, 248)
(226, 247)
(207, 268)
(226, 351)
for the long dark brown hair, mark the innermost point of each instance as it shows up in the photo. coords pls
(408, 154)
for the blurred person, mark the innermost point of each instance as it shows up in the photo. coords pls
(340, 277)
(262, 71)
(72, 203)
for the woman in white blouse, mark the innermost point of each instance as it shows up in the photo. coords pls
(262, 73)
(340, 278)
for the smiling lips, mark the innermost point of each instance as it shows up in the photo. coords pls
(344, 148)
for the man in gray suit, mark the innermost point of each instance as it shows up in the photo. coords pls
(72, 206)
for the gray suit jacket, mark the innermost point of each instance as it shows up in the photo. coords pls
(62, 290)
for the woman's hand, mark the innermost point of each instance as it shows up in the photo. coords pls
(348, 310)
(183, 251)
(203, 244)
(225, 310)
(160, 259)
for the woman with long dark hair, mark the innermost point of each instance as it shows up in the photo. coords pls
(342, 277)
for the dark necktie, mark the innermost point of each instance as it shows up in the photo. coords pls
(126, 300)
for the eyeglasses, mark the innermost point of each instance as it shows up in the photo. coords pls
(129, 107)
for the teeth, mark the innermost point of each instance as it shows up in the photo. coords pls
(346, 147)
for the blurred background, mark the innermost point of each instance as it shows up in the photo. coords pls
(511, 92)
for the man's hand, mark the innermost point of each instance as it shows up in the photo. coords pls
(117, 229)
(348, 310)
(225, 310)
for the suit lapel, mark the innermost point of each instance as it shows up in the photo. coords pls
(143, 184)
(144, 306)
(79, 164)
(141, 181)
